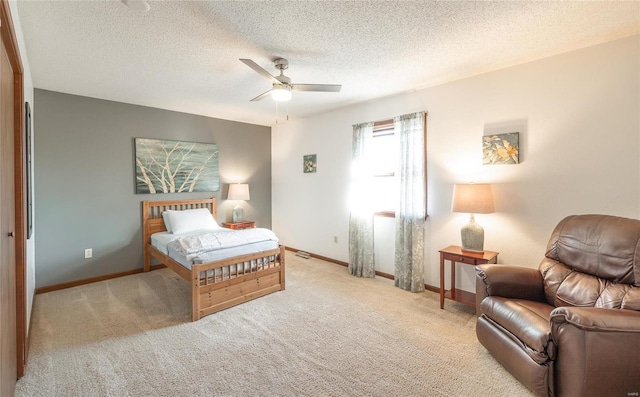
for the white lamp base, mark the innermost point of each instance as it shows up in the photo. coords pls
(238, 214)
(472, 236)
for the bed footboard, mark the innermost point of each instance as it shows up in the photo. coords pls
(220, 285)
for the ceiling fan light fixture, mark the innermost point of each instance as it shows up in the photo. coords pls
(281, 93)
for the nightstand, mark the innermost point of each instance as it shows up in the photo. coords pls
(239, 225)
(453, 254)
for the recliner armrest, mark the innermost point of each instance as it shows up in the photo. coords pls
(597, 351)
(508, 281)
(597, 319)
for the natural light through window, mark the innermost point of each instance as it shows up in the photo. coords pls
(384, 155)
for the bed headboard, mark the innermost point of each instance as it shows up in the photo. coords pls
(152, 221)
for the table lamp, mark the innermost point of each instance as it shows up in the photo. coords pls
(474, 199)
(238, 192)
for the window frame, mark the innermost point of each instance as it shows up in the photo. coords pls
(384, 128)
(387, 127)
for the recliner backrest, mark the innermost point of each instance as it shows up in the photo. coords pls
(593, 260)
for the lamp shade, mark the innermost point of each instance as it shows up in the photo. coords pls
(472, 198)
(238, 191)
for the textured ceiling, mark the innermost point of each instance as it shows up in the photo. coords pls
(183, 55)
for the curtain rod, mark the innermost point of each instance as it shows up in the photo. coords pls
(389, 122)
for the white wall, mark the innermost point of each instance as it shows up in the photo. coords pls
(579, 123)
(28, 97)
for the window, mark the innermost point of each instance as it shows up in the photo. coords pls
(384, 152)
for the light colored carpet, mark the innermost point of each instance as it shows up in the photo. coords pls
(327, 334)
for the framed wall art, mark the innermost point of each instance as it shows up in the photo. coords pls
(164, 166)
(500, 149)
(309, 163)
(29, 166)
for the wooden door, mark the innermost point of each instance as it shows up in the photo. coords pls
(8, 323)
(13, 237)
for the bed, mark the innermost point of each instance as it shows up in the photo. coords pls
(224, 281)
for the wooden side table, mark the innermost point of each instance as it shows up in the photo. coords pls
(454, 253)
(239, 225)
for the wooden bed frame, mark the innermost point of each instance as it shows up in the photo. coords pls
(210, 293)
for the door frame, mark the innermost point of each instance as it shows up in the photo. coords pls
(10, 42)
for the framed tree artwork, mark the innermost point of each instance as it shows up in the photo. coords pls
(164, 166)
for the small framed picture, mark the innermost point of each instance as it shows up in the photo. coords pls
(500, 149)
(309, 163)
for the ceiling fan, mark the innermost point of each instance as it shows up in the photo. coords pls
(282, 85)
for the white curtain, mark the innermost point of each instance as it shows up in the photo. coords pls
(361, 259)
(411, 212)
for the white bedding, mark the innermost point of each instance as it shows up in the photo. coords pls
(222, 253)
(162, 239)
(193, 246)
(240, 240)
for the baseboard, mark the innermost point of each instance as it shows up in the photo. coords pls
(345, 264)
(90, 280)
(324, 258)
(432, 288)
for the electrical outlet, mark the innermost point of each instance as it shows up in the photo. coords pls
(335, 239)
(88, 253)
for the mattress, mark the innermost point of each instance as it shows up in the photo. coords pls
(220, 254)
(168, 244)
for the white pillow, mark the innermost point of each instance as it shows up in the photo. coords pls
(165, 217)
(190, 220)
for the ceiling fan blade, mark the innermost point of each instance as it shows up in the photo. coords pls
(317, 87)
(260, 70)
(261, 96)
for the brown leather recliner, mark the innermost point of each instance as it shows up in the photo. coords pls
(572, 326)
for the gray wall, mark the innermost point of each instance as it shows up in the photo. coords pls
(84, 178)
